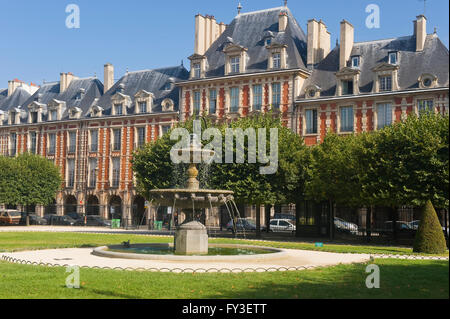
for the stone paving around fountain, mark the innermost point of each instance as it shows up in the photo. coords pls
(291, 260)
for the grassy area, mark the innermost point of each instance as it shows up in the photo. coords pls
(16, 241)
(399, 279)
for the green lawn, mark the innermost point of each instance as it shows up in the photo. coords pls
(399, 279)
(16, 241)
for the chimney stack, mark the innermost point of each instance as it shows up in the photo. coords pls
(207, 30)
(283, 21)
(347, 41)
(108, 77)
(65, 80)
(319, 42)
(420, 32)
(14, 84)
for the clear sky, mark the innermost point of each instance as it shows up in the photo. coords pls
(36, 45)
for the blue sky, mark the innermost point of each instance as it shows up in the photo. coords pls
(145, 34)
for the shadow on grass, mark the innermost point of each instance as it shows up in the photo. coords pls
(398, 280)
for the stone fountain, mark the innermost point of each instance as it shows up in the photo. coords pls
(191, 237)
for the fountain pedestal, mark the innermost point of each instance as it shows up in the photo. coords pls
(191, 238)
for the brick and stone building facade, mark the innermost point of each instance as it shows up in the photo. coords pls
(262, 61)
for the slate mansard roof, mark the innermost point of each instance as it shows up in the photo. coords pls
(250, 30)
(16, 99)
(152, 81)
(434, 59)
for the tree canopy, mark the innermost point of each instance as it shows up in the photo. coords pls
(28, 180)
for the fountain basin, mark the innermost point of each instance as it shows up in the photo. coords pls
(189, 198)
(165, 252)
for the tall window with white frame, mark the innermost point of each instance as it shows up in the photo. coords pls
(54, 115)
(212, 101)
(72, 142)
(142, 107)
(257, 97)
(117, 134)
(70, 173)
(347, 119)
(197, 70)
(384, 115)
(118, 109)
(92, 172)
(234, 100)
(197, 102)
(276, 95)
(424, 106)
(276, 60)
(311, 121)
(385, 83)
(235, 64)
(115, 171)
(94, 141)
(52, 144)
(13, 144)
(141, 136)
(33, 144)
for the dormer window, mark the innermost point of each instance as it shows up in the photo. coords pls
(427, 81)
(168, 86)
(235, 59)
(167, 105)
(12, 116)
(142, 107)
(347, 87)
(268, 41)
(96, 111)
(197, 70)
(53, 115)
(277, 56)
(35, 112)
(355, 62)
(276, 61)
(143, 102)
(385, 83)
(118, 109)
(235, 64)
(80, 94)
(393, 58)
(34, 117)
(75, 113)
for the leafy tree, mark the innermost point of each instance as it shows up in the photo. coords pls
(429, 237)
(333, 172)
(407, 163)
(28, 180)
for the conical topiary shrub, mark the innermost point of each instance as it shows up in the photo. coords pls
(429, 237)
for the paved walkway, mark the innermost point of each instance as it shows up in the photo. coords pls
(293, 260)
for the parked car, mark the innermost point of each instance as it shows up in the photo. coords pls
(74, 216)
(289, 217)
(10, 217)
(402, 228)
(345, 226)
(243, 224)
(415, 225)
(282, 225)
(94, 221)
(33, 218)
(55, 220)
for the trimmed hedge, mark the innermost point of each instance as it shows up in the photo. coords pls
(429, 237)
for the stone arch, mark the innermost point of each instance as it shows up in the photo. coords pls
(93, 205)
(115, 207)
(138, 211)
(70, 204)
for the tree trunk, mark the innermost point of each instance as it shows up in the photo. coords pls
(394, 213)
(258, 222)
(369, 223)
(267, 211)
(297, 219)
(331, 220)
